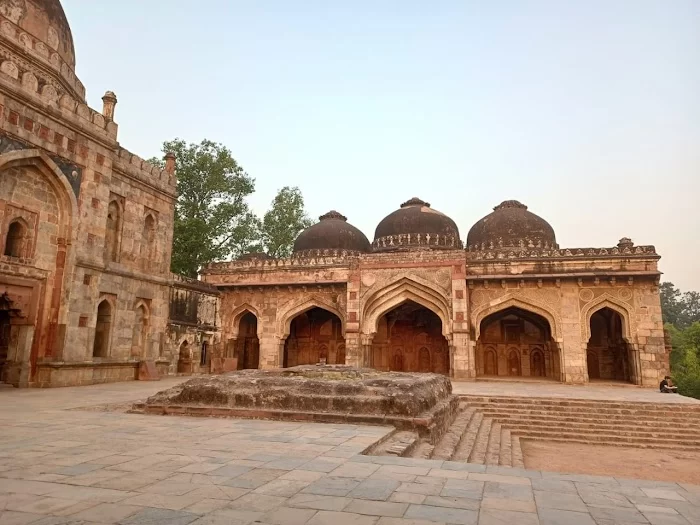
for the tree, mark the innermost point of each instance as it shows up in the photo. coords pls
(283, 222)
(212, 219)
(670, 303)
(679, 309)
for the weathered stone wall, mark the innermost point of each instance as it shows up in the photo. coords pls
(563, 291)
(193, 326)
(98, 228)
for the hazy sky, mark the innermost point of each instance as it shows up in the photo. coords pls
(587, 111)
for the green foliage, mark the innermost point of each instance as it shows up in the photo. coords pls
(212, 219)
(685, 359)
(679, 309)
(283, 222)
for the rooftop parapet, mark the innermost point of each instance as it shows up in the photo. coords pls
(135, 166)
(624, 248)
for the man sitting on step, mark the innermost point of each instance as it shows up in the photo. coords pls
(666, 387)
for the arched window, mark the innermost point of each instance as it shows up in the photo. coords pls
(16, 237)
(112, 231)
(139, 332)
(514, 363)
(490, 363)
(148, 239)
(103, 330)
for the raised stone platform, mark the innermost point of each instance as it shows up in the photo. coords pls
(421, 403)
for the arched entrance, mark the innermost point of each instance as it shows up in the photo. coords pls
(184, 359)
(103, 330)
(247, 343)
(139, 335)
(607, 354)
(515, 342)
(409, 339)
(314, 335)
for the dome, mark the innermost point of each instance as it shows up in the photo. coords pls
(416, 225)
(41, 29)
(332, 232)
(509, 226)
(46, 21)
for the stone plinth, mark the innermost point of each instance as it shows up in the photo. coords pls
(330, 393)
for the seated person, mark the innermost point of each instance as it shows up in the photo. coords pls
(666, 387)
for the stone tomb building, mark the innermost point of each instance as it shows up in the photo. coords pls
(512, 304)
(85, 226)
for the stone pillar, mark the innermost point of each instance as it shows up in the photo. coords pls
(573, 350)
(462, 357)
(353, 349)
(271, 352)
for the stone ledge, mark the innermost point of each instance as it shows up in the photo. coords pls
(88, 364)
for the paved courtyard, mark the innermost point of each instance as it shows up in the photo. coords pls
(63, 464)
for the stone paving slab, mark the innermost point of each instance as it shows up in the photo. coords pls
(62, 466)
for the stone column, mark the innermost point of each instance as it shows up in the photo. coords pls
(462, 357)
(271, 352)
(353, 349)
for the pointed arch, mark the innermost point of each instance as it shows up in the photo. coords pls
(236, 316)
(103, 328)
(606, 301)
(397, 293)
(16, 238)
(508, 301)
(68, 203)
(285, 318)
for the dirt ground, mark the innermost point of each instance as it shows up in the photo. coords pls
(622, 462)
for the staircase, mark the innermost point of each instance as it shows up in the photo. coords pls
(488, 429)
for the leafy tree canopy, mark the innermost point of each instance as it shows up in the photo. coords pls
(679, 309)
(282, 223)
(212, 219)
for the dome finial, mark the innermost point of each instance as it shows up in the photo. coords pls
(333, 215)
(510, 204)
(415, 201)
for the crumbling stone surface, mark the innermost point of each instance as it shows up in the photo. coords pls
(327, 388)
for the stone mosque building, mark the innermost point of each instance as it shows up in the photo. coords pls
(86, 295)
(510, 303)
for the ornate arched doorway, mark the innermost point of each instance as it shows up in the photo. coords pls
(607, 354)
(314, 335)
(409, 339)
(517, 342)
(247, 348)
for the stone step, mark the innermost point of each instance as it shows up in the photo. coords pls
(600, 411)
(516, 435)
(493, 448)
(557, 415)
(583, 403)
(629, 428)
(466, 443)
(423, 450)
(594, 437)
(478, 454)
(517, 452)
(505, 454)
(445, 448)
(676, 435)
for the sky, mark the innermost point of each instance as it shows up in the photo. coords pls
(588, 112)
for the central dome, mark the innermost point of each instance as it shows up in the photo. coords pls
(331, 234)
(416, 225)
